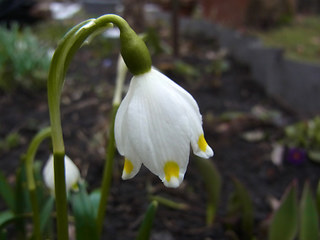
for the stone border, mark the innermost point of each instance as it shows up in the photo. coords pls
(295, 84)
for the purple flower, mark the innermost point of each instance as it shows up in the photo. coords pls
(296, 155)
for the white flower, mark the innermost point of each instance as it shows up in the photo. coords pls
(72, 173)
(155, 125)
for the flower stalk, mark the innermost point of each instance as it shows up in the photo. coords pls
(171, 114)
(31, 152)
(131, 47)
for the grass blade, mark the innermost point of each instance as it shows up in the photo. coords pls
(84, 215)
(284, 223)
(146, 226)
(212, 180)
(240, 205)
(6, 192)
(309, 221)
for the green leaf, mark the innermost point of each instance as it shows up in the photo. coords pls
(169, 203)
(6, 192)
(242, 204)
(83, 212)
(318, 198)
(155, 45)
(284, 223)
(8, 217)
(146, 226)
(212, 180)
(21, 203)
(46, 212)
(3, 234)
(185, 69)
(309, 221)
(95, 201)
(5, 217)
(314, 156)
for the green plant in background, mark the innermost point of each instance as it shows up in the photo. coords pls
(30, 201)
(32, 198)
(154, 43)
(304, 135)
(240, 211)
(295, 219)
(217, 67)
(213, 183)
(24, 62)
(186, 69)
(168, 103)
(284, 223)
(146, 225)
(28, 198)
(300, 39)
(309, 218)
(10, 141)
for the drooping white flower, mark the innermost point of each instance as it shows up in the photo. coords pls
(155, 125)
(71, 172)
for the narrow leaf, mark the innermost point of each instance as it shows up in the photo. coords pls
(245, 208)
(3, 234)
(5, 217)
(309, 221)
(169, 203)
(20, 201)
(6, 192)
(40, 187)
(318, 198)
(84, 215)
(284, 223)
(46, 213)
(95, 201)
(212, 180)
(146, 226)
(314, 156)
(8, 217)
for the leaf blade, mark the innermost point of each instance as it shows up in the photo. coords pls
(309, 221)
(284, 223)
(146, 226)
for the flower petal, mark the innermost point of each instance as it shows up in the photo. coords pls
(201, 147)
(155, 125)
(191, 109)
(72, 173)
(130, 168)
(120, 126)
(173, 176)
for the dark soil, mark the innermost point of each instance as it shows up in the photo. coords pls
(86, 104)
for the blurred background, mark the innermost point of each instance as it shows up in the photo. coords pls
(252, 65)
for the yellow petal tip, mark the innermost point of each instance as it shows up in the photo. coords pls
(171, 169)
(128, 166)
(202, 143)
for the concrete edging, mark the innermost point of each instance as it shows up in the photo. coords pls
(296, 84)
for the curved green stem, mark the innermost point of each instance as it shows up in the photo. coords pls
(33, 147)
(57, 72)
(137, 58)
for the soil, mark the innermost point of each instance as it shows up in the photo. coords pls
(86, 105)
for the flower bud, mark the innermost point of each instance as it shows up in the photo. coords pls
(71, 172)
